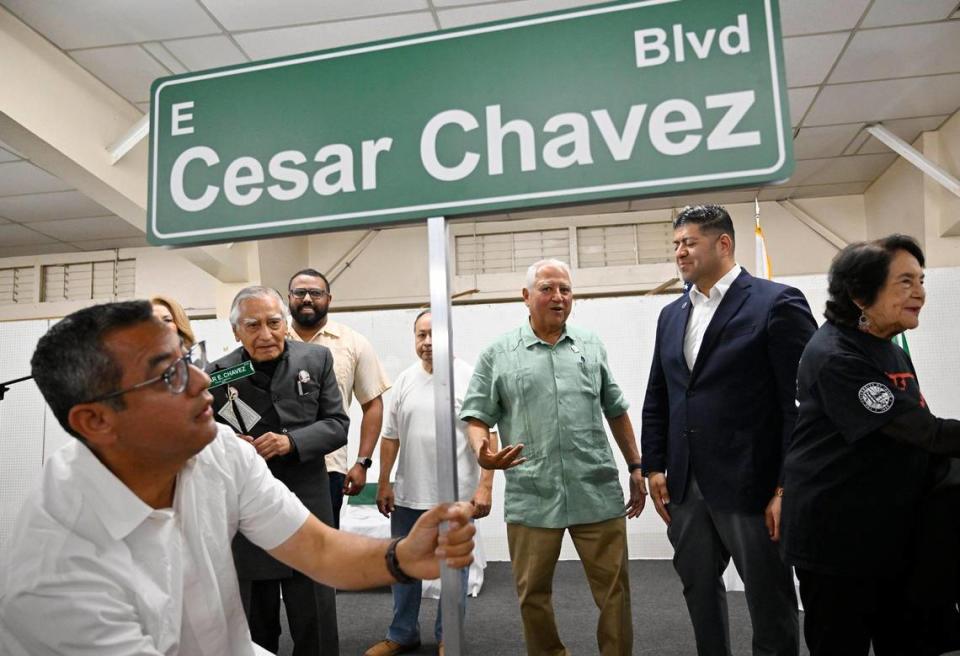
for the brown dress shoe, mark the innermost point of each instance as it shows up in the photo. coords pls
(389, 648)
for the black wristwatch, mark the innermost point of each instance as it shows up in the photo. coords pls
(365, 462)
(634, 466)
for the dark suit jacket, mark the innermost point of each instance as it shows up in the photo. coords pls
(730, 419)
(315, 422)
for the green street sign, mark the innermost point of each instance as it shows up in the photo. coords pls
(624, 99)
(236, 372)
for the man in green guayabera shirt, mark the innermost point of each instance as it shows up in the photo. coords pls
(547, 385)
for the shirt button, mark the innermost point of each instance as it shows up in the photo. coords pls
(275, 398)
(283, 430)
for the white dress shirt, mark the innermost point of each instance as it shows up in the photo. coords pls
(704, 307)
(92, 569)
(358, 371)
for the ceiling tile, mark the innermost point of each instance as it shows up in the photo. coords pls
(814, 16)
(14, 234)
(144, 107)
(457, 3)
(856, 168)
(501, 11)
(92, 23)
(823, 142)
(293, 40)
(235, 15)
(573, 210)
(7, 156)
(36, 249)
(907, 129)
(646, 204)
(805, 168)
(99, 227)
(810, 58)
(819, 191)
(104, 244)
(46, 207)
(894, 52)
(128, 70)
(776, 192)
(12, 151)
(206, 52)
(800, 100)
(165, 57)
(884, 100)
(716, 197)
(22, 177)
(898, 12)
(3, 221)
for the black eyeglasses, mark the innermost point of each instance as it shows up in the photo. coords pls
(301, 292)
(176, 376)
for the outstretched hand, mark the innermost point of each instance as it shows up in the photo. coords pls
(505, 458)
(421, 551)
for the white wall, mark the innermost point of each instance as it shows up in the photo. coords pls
(626, 324)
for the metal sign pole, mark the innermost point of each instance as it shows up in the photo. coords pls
(450, 600)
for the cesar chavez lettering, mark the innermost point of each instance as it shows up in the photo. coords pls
(670, 117)
(621, 99)
(675, 127)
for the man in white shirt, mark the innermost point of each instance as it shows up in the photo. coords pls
(410, 429)
(125, 548)
(717, 418)
(358, 371)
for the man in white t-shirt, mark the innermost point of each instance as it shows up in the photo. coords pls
(410, 429)
(125, 548)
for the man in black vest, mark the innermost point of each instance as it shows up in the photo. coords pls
(290, 410)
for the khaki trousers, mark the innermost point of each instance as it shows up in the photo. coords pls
(603, 551)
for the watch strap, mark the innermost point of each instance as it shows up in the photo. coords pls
(393, 565)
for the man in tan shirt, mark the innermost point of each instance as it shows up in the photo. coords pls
(358, 371)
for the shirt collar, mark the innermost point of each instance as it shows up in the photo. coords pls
(529, 338)
(118, 508)
(331, 328)
(719, 289)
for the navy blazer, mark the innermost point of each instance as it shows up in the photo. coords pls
(730, 419)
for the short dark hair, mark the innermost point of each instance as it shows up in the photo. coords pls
(858, 273)
(309, 272)
(71, 363)
(711, 219)
(417, 318)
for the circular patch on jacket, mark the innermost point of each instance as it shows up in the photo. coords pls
(876, 397)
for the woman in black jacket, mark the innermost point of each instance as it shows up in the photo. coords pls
(866, 454)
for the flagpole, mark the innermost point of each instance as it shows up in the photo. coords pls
(763, 267)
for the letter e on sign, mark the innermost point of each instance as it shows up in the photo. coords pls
(180, 115)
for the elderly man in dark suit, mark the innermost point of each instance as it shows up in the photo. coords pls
(717, 418)
(290, 410)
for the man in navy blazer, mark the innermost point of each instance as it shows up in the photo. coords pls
(717, 418)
